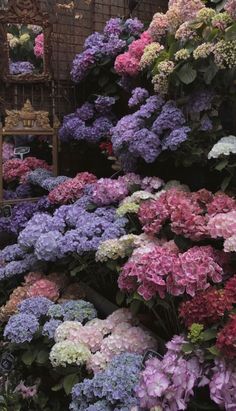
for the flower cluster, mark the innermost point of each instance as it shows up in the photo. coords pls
(21, 67)
(39, 46)
(224, 147)
(91, 122)
(17, 169)
(114, 387)
(190, 214)
(129, 64)
(160, 270)
(114, 40)
(72, 189)
(154, 127)
(169, 383)
(21, 328)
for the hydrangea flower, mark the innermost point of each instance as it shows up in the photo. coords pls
(21, 328)
(69, 353)
(37, 306)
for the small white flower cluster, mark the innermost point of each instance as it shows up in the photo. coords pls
(225, 146)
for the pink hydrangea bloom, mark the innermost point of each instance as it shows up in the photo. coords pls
(25, 391)
(162, 270)
(223, 225)
(158, 26)
(107, 191)
(44, 288)
(128, 63)
(230, 7)
(39, 46)
(31, 278)
(223, 385)
(71, 190)
(17, 169)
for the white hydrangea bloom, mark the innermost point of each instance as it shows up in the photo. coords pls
(225, 146)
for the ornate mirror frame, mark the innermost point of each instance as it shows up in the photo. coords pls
(23, 122)
(24, 12)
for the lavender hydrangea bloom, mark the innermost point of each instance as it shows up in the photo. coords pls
(23, 191)
(94, 40)
(152, 106)
(134, 26)
(85, 112)
(50, 327)
(21, 328)
(206, 123)
(99, 406)
(21, 67)
(39, 224)
(37, 306)
(139, 95)
(175, 138)
(223, 385)
(38, 176)
(11, 253)
(114, 46)
(104, 104)
(81, 311)
(19, 267)
(115, 387)
(46, 246)
(113, 26)
(170, 118)
(200, 101)
(145, 144)
(82, 63)
(70, 125)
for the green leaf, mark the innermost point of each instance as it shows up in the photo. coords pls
(187, 74)
(187, 348)
(196, 25)
(208, 335)
(42, 357)
(57, 387)
(69, 382)
(230, 33)
(225, 183)
(210, 73)
(28, 357)
(221, 165)
(214, 350)
(135, 306)
(120, 298)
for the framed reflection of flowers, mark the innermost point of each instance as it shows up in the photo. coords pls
(25, 37)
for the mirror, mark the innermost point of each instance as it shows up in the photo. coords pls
(25, 49)
(21, 155)
(25, 42)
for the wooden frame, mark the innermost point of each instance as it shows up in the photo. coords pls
(21, 123)
(24, 12)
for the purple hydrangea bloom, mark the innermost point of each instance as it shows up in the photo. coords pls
(94, 40)
(175, 138)
(46, 246)
(103, 104)
(38, 176)
(37, 306)
(21, 328)
(134, 26)
(200, 101)
(139, 96)
(114, 46)
(113, 26)
(114, 387)
(24, 191)
(85, 112)
(39, 224)
(152, 106)
(223, 385)
(50, 327)
(82, 63)
(11, 253)
(99, 406)
(206, 123)
(50, 183)
(19, 267)
(21, 67)
(170, 118)
(145, 144)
